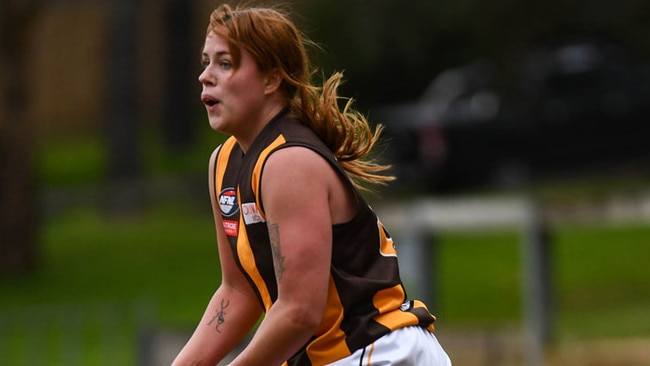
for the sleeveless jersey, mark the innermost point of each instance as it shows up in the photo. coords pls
(366, 298)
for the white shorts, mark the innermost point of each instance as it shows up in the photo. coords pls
(410, 346)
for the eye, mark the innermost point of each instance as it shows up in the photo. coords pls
(225, 64)
(205, 62)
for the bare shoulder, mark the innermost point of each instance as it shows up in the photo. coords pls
(299, 173)
(308, 176)
(297, 162)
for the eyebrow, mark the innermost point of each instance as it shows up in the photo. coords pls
(218, 54)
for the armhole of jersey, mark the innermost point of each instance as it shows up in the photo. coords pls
(212, 173)
(256, 176)
(345, 178)
(338, 169)
(219, 160)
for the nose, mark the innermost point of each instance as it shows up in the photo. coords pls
(205, 78)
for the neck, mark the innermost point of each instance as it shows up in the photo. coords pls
(268, 114)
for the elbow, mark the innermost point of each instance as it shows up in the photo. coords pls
(307, 320)
(304, 318)
(310, 320)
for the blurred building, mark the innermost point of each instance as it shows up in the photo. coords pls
(71, 56)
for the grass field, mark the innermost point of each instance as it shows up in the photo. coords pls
(166, 256)
(601, 283)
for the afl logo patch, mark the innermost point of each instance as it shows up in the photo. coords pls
(228, 202)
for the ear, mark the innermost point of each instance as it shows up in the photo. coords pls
(272, 81)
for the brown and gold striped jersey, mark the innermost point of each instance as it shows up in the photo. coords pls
(366, 298)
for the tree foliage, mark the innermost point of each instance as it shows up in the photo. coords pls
(390, 50)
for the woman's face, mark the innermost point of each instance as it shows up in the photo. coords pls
(233, 97)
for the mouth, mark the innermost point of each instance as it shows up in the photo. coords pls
(209, 100)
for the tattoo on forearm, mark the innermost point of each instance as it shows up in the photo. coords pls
(219, 317)
(278, 258)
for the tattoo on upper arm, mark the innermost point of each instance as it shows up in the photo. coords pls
(219, 317)
(278, 258)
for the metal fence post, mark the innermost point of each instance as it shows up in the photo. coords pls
(415, 252)
(536, 291)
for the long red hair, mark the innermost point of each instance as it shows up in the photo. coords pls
(275, 43)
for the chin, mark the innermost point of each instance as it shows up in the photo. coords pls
(218, 125)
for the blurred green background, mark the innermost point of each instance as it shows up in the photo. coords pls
(106, 234)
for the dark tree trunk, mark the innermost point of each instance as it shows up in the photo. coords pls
(123, 122)
(18, 204)
(179, 118)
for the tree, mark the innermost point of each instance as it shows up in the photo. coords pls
(122, 123)
(178, 124)
(18, 206)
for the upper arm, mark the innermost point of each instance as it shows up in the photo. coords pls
(296, 189)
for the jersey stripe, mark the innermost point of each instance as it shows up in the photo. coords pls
(222, 161)
(247, 260)
(243, 251)
(330, 339)
(386, 245)
(257, 171)
(386, 301)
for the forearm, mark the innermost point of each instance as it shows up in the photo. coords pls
(228, 318)
(284, 330)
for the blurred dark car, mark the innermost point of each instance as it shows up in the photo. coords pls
(578, 107)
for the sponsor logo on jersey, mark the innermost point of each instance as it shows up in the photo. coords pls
(231, 227)
(251, 214)
(228, 202)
